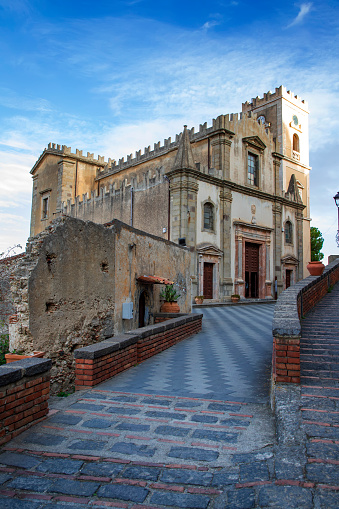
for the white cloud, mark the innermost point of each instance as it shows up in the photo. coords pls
(210, 24)
(9, 99)
(304, 10)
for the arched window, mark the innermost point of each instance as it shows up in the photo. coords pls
(296, 146)
(208, 216)
(252, 169)
(288, 232)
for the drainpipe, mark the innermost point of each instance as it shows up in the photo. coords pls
(131, 219)
(169, 207)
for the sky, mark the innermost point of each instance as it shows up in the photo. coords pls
(114, 76)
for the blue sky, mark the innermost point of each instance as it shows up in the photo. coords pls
(111, 77)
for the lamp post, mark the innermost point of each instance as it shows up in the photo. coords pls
(336, 199)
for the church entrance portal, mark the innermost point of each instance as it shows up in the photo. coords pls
(251, 270)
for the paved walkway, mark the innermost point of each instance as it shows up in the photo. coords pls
(189, 428)
(320, 391)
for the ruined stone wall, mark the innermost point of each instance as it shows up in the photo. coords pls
(69, 288)
(7, 308)
(64, 294)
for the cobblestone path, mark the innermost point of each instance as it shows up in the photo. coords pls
(190, 428)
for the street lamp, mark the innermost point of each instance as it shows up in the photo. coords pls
(336, 199)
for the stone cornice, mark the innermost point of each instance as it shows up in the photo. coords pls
(243, 224)
(298, 163)
(228, 184)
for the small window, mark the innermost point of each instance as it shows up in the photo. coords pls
(45, 207)
(252, 169)
(208, 216)
(288, 232)
(296, 146)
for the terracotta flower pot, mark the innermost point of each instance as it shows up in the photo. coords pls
(170, 307)
(198, 300)
(315, 268)
(12, 357)
(235, 299)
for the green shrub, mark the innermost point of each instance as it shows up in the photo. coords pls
(169, 294)
(4, 347)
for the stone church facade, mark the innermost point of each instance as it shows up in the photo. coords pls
(236, 193)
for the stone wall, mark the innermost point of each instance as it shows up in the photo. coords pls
(24, 393)
(292, 305)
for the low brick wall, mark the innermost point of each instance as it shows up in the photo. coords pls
(163, 317)
(24, 393)
(98, 362)
(293, 304)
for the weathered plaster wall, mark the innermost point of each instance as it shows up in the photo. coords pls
(71, 289)
(138, 254)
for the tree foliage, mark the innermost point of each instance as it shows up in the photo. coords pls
(317, 242)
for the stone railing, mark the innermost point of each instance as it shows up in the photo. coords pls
(98, 362)
(292, 305)
(24, 393)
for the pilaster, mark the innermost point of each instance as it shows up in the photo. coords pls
(184, 190)
(221, 153)
(35, 209)
(300, 244)
(277, 222)
(226, 242)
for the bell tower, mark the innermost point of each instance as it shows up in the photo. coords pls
(286, 116)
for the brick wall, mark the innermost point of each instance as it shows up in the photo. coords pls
(24, 393)
(292, 305)
(163, 317)
(98, 362)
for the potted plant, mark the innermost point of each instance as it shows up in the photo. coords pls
(199, 299)
(170, 296)
(315, 266)
(235, 297)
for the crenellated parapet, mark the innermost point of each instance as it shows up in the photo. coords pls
(280, 92)
(110, 197)
(64, 151)
(222, 122)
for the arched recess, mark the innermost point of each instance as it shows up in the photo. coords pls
(208, 210)
(142, 309)
(288, 227)
(296, 143)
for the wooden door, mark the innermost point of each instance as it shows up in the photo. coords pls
(288, 278)
(208, 280)
(251, 270)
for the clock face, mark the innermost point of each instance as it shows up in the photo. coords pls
(295, 120)
(261, 119)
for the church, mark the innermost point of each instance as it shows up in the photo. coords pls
(235, 193)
